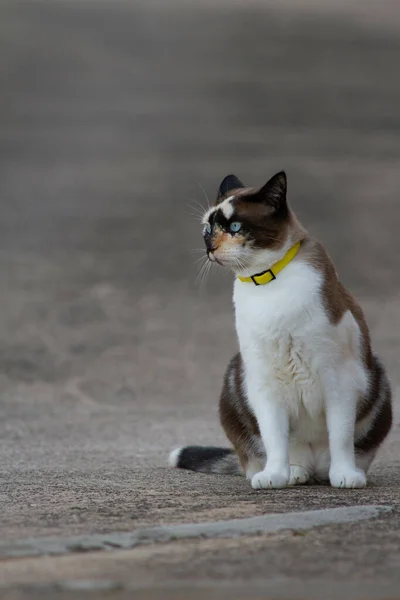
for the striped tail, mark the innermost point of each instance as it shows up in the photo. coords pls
(206, 459)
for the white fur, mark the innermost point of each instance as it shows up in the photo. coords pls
(303, 377)
(227, 207)
(207, 214)
(173, 458)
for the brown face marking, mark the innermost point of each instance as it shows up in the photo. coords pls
(263, 213)
(262, 226)
(223, 240)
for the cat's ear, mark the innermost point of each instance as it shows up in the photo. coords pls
(274, 191)
(231, 182)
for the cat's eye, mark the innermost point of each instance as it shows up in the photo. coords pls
(235, 226)
(207, 228)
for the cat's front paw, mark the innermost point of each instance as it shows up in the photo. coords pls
(298, 475)
(347, 478)
(269, 479)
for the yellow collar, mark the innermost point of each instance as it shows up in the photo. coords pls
(270, 274)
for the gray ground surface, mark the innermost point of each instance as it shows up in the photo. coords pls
(110, 113)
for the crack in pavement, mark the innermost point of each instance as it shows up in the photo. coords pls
(168, 533)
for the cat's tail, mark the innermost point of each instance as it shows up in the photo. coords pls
(206, 459)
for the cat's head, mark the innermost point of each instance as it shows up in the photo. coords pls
(249, 229)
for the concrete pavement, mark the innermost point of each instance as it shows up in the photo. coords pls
(110, 356)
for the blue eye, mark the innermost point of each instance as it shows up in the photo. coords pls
(207, 228)
(235, 226)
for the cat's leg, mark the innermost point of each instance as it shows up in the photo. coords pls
(250, 409)
(363, 461)
(273, 422)
(251, 455)
(239, 422)
(342, 394)
(322, 459)
(254, 465)
(301, 462)
(374, 416)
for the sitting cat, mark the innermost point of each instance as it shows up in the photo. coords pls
(305, 399)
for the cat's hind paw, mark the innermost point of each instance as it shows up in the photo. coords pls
(298, 475)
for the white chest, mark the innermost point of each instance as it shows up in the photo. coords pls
(284, 335)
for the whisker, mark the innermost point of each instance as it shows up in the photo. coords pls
(206, 274)
(201, 269)
(197, 217)
(239, 261)
(196, 209)
(240, 264)
(203, 273)
(197, 204)
(272, 239)
(205, 194)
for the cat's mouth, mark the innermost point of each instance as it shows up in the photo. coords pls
(213, 258)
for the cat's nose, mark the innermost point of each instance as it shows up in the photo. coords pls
(209, 245)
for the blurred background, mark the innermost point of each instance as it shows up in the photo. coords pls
(114, 117)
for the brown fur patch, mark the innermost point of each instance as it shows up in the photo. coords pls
(379, 429)
(263, 226)
(222, 240)
(267, 230)
(336, 298)
(237, 420)
(232, 192)
(337, 301)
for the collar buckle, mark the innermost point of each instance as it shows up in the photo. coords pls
(253, 277)
(259, 279)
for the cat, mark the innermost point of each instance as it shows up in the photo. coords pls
(305, 399)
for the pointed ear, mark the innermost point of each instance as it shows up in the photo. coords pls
(274, 191)
(231, 182)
